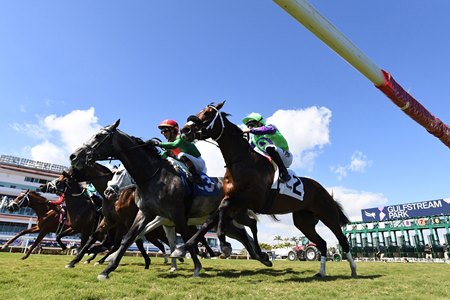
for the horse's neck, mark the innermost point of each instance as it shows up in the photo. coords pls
(233, 146)
(141, 165)
(100, 182)
(41, 208)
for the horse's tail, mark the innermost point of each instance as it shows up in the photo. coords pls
(343, 219)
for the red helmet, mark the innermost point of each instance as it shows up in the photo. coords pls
(168, 123)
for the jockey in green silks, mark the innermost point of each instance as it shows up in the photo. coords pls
(183, 150)
(268, 139)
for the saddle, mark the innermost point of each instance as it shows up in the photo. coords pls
(207, 187)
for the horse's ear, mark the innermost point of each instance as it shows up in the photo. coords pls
(115, 125)
(219, 106)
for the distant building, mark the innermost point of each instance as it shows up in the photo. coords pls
(17, 175)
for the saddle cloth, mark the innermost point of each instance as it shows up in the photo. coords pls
(292, 188)
(208, 187)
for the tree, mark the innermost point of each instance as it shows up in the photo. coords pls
(278, 238)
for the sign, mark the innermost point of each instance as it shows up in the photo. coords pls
(405, 211)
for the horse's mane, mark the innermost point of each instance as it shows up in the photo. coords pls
(147, 146)
(225, 117)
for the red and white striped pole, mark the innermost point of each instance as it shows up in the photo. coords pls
(309, 17)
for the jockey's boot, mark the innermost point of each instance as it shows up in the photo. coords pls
(195, 177)
(284, 174)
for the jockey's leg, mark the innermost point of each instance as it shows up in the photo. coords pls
(284, 174)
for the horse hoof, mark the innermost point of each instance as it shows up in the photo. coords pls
(226, 250)
(102, 277)
(173, 269)
(267, 263)
(177, 253)
(354, 275)
(318, 275)
(69, 266)
(86, 262)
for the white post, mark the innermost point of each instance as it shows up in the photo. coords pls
(309, 17)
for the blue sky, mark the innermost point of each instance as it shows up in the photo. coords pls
(68, 68)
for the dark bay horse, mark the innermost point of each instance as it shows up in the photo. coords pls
(118, 215)
(248, 180)
(160, 190)
(48, 219)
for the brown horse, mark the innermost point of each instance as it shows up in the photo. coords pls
(248, 180)
(48, 219)
(118, 215)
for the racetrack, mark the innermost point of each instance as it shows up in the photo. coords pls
(44, 277)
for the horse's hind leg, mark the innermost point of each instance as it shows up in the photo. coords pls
(39, 238)
(140, 245)
(26, 231)
(306, 222)
(335, 227)
(138, 225)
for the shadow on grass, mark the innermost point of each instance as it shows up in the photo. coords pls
(285, 275)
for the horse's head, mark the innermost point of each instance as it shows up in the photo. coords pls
(120, 180)
(98, 147)
(23, 200)
(208, 123)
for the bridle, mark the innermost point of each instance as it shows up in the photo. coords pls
(24, 201)
(203, 126)
(91, 150)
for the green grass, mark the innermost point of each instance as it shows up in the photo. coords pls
(44, 277)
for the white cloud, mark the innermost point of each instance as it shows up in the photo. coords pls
(37, 131)
(358, 163)
(59, 135)
(74, 128)
(48, 152)
(306, 130)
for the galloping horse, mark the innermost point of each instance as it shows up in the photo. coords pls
(118, 215)
(160, 189)
(248, 180)
(47, 219)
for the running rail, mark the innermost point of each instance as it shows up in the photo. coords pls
(309, 17)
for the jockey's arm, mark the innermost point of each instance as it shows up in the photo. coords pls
(266, 129)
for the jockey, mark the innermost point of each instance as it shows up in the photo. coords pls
(183, 150)
(268, 139)
(90, 192)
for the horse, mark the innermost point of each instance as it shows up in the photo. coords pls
(248, 179)
(160, 190)
(120, 184)
(48, 219)
(118, 216)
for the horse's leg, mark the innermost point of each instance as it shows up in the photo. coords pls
(193, 241)
(156, 242)
(207, 247)
(93, 238)
(243, 218)
(306, 222)
(334, 225)
(182, 228)
(39, 238)
(119, 234)
(66, 232)
(140, 245)
(238, 232)
(171, 237)
(33, 229)
(223, 210)
(138, 225)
